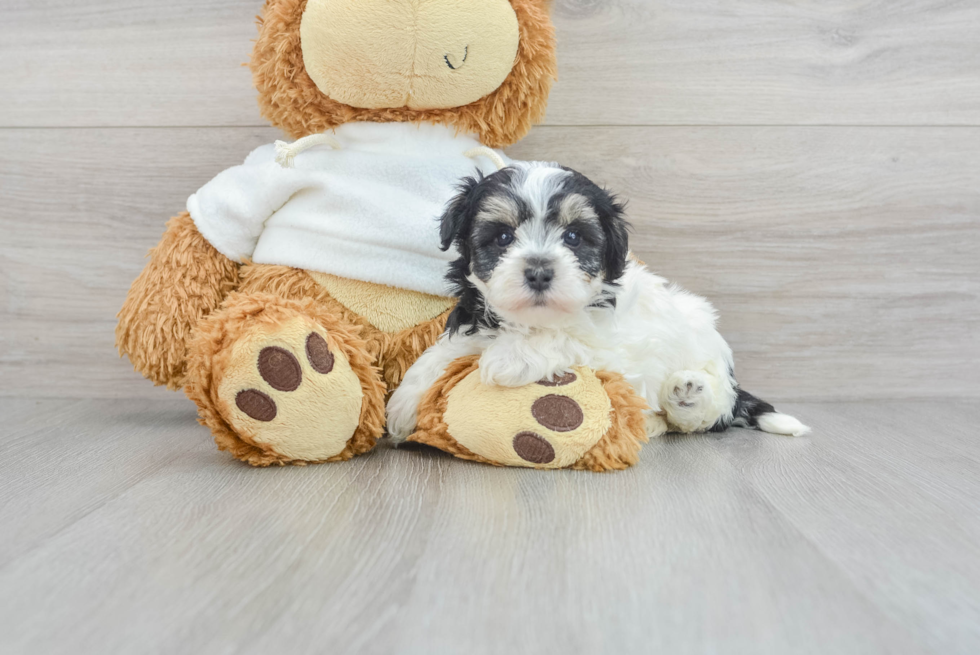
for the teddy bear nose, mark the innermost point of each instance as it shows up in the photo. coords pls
(538, 277)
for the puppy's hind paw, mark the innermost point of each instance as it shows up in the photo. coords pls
(686, 396)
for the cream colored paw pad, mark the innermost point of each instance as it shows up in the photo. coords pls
(551, 424)
(292, 392)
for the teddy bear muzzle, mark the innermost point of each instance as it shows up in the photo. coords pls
(456, 53)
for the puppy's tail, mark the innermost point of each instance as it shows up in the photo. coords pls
(750, 412)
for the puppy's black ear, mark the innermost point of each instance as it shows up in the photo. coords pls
(612, 219)
(615, 227)
(456, 219)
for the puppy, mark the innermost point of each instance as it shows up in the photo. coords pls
(546, 282)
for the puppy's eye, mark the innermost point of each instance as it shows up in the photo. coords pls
(505, 238)
(573, 239)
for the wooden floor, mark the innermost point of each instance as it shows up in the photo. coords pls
(125, 531)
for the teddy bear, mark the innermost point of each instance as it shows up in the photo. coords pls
(294, 292)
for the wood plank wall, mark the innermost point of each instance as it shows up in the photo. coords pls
(812, 167)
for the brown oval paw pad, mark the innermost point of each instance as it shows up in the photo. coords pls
(559, 380)
(533, 448)
(558, 413)
(280, 369)
(318, 352)
(256, 404)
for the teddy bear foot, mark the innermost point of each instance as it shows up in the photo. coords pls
(582, 420)
(277, 387)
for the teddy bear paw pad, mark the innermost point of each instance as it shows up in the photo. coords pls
(534, 448)
(282, 371)
(291, 393)
(551, 424)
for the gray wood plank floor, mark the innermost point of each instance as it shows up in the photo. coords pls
(124, 530)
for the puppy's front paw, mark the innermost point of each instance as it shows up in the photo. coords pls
(496, 371)
(686, 396)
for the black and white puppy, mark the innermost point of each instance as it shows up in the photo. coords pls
(546, 282)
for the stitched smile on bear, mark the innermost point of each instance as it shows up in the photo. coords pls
(456, 63)
(455, 52)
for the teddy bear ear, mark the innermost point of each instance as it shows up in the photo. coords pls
(291, 100)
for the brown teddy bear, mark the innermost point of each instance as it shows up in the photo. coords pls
(297, 288)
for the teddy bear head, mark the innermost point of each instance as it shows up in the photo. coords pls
(481, 66)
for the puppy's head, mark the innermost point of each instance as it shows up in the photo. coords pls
(538, 244)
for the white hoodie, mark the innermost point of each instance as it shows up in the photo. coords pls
(367, 211)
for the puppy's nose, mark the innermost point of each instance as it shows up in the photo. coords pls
(538, 277)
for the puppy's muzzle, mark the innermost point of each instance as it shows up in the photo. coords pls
(538, 275)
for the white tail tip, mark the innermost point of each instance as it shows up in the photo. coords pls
(777, 423)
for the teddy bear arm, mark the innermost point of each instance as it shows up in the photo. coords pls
(184, 281)
(584, 419)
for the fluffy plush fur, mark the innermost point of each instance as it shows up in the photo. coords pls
(546, 283)
(183, 316)
(290, 99)
(185, 280)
